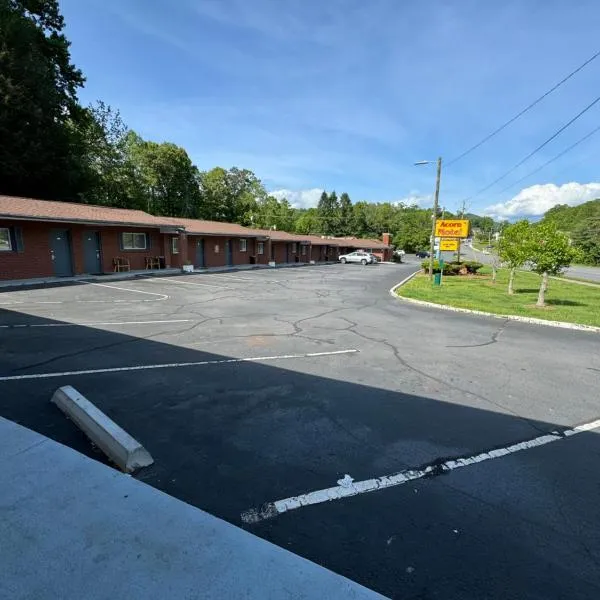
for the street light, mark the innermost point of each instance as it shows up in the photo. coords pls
(436, 200)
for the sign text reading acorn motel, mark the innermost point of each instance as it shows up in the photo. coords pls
(453, 228)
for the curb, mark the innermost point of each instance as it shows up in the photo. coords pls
(576, 281)
(127, 453)
(468, 311)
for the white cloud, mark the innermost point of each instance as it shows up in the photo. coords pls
(299, 198)
(537, 199)
(414, 199)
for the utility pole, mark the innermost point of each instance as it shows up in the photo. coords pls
(462, 216)
(436, 200)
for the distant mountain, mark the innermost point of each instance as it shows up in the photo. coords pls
(568, 218)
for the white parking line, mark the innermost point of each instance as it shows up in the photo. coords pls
(31, 302)
(176, 365)
(169, 280)
(347, 487)
(237, 278)
(114, 287)
(21, 326)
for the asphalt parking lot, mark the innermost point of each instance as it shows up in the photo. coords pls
(249, 388)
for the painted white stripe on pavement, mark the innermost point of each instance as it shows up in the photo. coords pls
(354, 488)
(176, 365)
(114, 287)
(92, 323)
(236, 278)
(167, 279)
(31, 302)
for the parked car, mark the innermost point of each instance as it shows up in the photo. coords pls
(422, 254)
(358, 257)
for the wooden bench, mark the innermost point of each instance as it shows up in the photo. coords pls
(121, 264)
(152, 262)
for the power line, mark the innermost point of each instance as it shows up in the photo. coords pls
(520, 114)
(565, 151)
(542, 145)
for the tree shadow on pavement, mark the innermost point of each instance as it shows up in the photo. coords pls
(231, 436)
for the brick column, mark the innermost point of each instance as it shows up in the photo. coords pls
(166, 249)
(183, 248)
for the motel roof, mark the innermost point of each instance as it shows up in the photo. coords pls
(201, 227)
(13, 207)
(280, 236)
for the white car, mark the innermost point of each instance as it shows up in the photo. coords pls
(362, 258)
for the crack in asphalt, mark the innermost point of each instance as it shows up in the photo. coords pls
(90, 350)
(442, 382)
(493, 340)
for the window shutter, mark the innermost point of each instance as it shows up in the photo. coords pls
(16, 234)
(19, 245)
(121, 245)
(148, 241)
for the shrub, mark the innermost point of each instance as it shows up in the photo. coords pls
(448, 269)
(473, 266)
(453, 268)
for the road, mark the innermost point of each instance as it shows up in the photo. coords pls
(584, 272)
(255, 387)
(578, 271)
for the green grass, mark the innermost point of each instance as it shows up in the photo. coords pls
(566, 301)
(479, 245)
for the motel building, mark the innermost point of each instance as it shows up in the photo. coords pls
(45, 239)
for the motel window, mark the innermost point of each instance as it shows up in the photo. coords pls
(134, 241)
(243, 245)
(294, 247)
(5, 241)
(261, 247)
(216, 248)
(175, 245)
(303, 250)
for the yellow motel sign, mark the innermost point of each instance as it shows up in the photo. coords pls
(452, 228)
(447, 245)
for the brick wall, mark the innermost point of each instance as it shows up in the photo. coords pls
(279, 249)
(35, 258)
(111, 247)
(265, 257)
(243, 258)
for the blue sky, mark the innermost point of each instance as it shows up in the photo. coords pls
(347, 94)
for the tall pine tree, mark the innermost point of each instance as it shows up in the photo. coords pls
(41, 152)
(346, 222)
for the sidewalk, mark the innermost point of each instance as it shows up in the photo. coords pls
(74, 528)
(41, 281)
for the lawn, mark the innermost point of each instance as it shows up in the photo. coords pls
(479, 245)
(565, 301)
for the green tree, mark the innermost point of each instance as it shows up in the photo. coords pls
(586, 236)
(346, 225)
(162, 176)
(360, 219)
(105, 140)
(41, 154)
(329, 213)
(550, 252)
(230, 195)
(308, 222)
(514, 249)
(273, 213)
(413, 229)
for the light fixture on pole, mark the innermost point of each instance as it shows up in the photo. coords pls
(436, 200)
